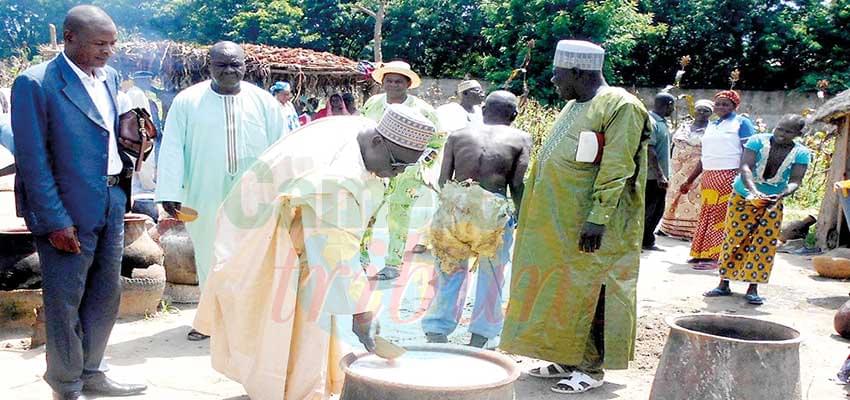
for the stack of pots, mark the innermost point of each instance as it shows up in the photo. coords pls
(142, 274)
(180, 273)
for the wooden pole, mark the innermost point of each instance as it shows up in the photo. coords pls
(379, 24)
(828, 236)
(53, 41)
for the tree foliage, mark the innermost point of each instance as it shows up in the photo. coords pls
(776, 44)
(518, 30)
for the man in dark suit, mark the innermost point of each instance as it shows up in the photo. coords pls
(72, 188)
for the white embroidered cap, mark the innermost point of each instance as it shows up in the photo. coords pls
(579, 54)
(406, 127)
(466, 85)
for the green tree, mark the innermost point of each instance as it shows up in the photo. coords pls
(24, 23)
(829, 23)
(332, 26)
(438, 37)
(272, 22)
(767, 40)
(616, 24)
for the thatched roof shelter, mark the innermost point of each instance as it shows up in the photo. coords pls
(832, 231)
(179, 65)
(835, 109)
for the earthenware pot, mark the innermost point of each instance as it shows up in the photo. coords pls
(140, 251)
(841, 322)
(713, 356)
(179, 252)
(142, 293)
(19, 266)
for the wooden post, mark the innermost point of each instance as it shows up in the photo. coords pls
(379, 23)
(53, 41)
(828, 237)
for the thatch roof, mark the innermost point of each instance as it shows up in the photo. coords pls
(179, 65)
(836, 108)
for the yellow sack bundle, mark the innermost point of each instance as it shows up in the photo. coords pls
(469, 223)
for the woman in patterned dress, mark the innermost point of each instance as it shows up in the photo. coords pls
(722, 146)
(772, 168)
(682, 214)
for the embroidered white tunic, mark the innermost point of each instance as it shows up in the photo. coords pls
(209, 140)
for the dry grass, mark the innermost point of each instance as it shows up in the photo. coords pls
(537, 120)
(11, 67)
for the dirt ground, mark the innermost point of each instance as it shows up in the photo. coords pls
(154, 350)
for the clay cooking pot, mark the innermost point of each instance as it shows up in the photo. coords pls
(19, 266)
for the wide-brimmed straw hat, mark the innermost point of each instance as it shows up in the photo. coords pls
(396, 67)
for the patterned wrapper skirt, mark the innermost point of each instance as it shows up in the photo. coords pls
(752, 234)
(716, 188)
(682, 214)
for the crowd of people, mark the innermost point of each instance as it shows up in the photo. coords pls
(743, 178)
(287, 202)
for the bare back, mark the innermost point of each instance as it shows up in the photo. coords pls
(495, 156)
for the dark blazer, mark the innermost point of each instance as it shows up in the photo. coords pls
(61, 147)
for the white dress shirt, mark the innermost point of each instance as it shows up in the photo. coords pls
(99, 94)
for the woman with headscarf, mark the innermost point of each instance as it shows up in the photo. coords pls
(682, 214)
(334, 107)
(282, 92)
(722, 148)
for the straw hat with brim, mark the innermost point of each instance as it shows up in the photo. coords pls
(396, 67)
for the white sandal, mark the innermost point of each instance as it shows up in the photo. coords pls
(578, 382)
(546, 372)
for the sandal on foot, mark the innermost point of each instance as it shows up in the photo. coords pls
(754, 299)
(578, 382)
(717, 292)
(387, 274)
(553, 370)
(419, 249)
(195, 336)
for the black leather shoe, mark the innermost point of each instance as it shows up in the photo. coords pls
(432, 337)
(72, 395)
(477, 341)
(107, 387)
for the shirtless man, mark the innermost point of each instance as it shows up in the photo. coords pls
(495, 156)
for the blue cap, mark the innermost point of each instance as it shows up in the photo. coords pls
(279, 86)
(142, 75)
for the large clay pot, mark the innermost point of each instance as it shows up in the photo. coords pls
(841, 322)
(141, 294)
(140, 251)
(19, 266)
(797, 229)
(176, 293)
(179, 259)
(712, 356)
